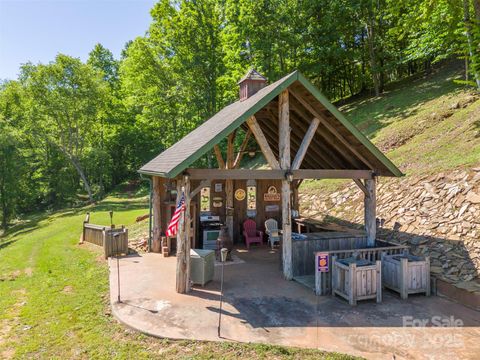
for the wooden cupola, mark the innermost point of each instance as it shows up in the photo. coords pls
(251, 83)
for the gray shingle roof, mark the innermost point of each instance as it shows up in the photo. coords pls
(204, 137)
(185, 152)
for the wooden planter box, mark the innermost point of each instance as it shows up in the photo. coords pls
(323, 280)
(406, 274)
(359, 280)
(113, 240)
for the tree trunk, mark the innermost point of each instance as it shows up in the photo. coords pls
(476, 6)
(471, 45)
(81, 173)
(5, 214)
(373, 58)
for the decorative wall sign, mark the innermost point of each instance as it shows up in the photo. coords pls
(217, 202)
(240, 194)
(271, 194)
(218, 187)
(272, 208)
(251, 198)
(322, 262)
(205, 199)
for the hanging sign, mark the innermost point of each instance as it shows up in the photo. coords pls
(271, 194)
(240, 194)
(322, 262)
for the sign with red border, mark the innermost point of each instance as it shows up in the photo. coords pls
(322, 262)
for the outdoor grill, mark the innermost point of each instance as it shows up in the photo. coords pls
(210, 226)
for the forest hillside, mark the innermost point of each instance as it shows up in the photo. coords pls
(430, 128)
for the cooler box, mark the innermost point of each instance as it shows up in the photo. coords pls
(202, 266)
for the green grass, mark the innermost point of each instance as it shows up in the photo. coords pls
(54, 297)
(418, 124)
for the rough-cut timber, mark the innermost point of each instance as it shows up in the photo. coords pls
(284, 154)
(262, 142)
(337, 144)
(221, 174)
(371, 212)
(183, 257)
(157, 218)
(229, 185)
(302, 150)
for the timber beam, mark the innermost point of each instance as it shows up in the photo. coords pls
(302, 150)
(219, 156)
(362, 186)
(245, 174)
(262, 142)
(331, 128)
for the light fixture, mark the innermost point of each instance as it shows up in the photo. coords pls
(289, 176)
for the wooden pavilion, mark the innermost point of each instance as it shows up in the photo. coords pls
(300, 134)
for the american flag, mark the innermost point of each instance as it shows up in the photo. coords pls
(173, 225)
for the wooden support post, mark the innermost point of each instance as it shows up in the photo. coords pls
(370, 202)
(188, 227)
(295, 202)
(183, 239)
(157, 220)
(229, 185)
(284, 154)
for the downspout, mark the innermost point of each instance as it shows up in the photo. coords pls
(149, 179)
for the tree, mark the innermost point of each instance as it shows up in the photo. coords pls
(12, 169)
(65, 98)
(473, 46)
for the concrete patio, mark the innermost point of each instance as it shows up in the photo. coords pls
(259, 306)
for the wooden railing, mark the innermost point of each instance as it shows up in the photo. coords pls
(323, 280)
(113, 240)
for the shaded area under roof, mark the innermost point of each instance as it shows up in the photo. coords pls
(337, 143)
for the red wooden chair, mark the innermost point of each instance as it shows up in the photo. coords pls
(252, 235)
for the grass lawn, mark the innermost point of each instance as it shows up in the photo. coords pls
(54, 297)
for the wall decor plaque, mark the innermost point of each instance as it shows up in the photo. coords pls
(240, 194)
(217, 202)
(272, 208)
(272, 194)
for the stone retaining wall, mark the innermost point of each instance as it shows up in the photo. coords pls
(436, 215)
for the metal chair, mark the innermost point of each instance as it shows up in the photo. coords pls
(271, 228)
(251, 234)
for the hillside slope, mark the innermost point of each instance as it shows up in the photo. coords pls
(430, 128)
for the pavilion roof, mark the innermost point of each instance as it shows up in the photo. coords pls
(337, 143)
